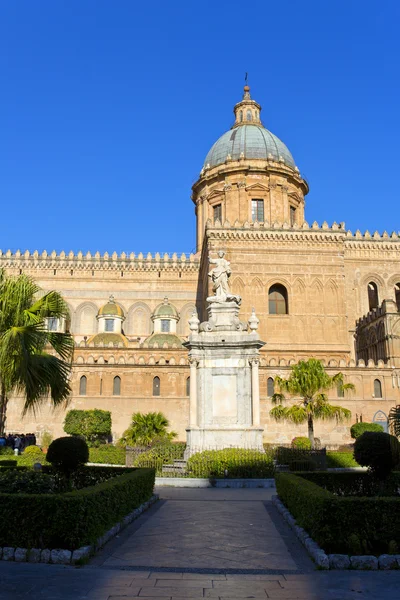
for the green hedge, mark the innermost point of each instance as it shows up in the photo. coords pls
(73, 519)
(349, 525)
(231, 463)
(107, 454)
(336, 460)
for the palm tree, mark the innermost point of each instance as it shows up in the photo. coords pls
(146, 429)
(310, 381)
(394, 420)
(26, 365)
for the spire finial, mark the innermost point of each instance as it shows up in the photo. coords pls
(246, 88)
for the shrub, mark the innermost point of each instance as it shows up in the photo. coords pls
(19, 481)
(341, 524)
(107, 454)
(6, 450)
(359, 428)
(160, 455)
(93, 425)
(47, 438)
(67, 454)
(73, 519)
(380, 452)
(231, 462)
(33, 451)
(351, 483)
(8, 463)
(335, 460)
(301, 442)
(147, 430)
(285, 456)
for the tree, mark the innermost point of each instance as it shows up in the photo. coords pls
(394, 420)
(309, 380)
(94, 425)
(34, 362)
(146, 429)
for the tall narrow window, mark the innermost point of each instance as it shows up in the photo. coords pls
(248, 115)
(292, 215)
(188, 386)
(377, 389)
(156, 386)
(117, 386)
(270, 387)
(397, 293)
(82, 385)
(373, 298)
(218, 213)
(109, 325)
(257, 210)
(165, 325)
(241, 116)
(277, 300)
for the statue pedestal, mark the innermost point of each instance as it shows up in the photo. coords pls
(224, 383)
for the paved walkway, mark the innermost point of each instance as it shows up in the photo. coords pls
(222, 544)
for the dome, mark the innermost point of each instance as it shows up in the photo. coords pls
(161, 338)
(249, 141)
(106, 337)
(111, 309)
(165, 310)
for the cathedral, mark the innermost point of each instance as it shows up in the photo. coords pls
(318, 290)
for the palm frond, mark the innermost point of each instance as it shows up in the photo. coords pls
(277, 398)
(394, 420)
(278, 412)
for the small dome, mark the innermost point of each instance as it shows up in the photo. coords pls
(248, 141)
(111, 309)
(161, 338)
(166, 309)
(106, 337)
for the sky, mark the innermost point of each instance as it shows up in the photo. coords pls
(108, 109)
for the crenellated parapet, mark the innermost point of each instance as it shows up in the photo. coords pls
(97, 261)
(140, 358)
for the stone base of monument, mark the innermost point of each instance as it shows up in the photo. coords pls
(217, 438)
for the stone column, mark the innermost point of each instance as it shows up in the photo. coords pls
(255, 391)
(193, 392)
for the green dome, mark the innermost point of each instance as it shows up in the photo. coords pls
(107, 337)
(248, 141)
(165, 310)
(111, 309)
(161, 338)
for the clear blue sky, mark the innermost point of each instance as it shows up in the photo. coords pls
(108, 108)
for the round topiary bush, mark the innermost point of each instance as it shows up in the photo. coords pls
(68, 454)
(378, 451)
(359, 428)
(301, 443)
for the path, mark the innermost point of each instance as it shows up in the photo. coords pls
(221, 544)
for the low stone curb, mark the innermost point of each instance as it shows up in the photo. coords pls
(336, 561)
(197, 482)
(60, 556)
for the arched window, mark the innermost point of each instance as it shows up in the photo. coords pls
(373, 298)
(340, 391)
(397, 295)
(156, 386)
(188, 386)
(277, 300)
(270, 387)
(377, 389)
(381, 418)
(241, 116)
(82, 385)
(117, 386)
(248, 115)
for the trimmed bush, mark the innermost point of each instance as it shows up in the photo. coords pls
(285, 456)
(73, 519)
(348, 525)
(93, 425)
(33, 451)
(8, 463)
(344, 460)
(380, 452)
(359, 428)
(301, 443)
(22, 481)
(6, 451)
(160, 455)
(107, 454)
(230, 463)
(67, 454)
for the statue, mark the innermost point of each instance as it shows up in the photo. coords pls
(220, 278)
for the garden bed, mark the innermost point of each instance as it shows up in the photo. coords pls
(332, 510)
(73, 519)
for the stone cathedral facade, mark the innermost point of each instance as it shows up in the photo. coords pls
(318, 290)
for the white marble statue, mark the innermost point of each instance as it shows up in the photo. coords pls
(220, 278)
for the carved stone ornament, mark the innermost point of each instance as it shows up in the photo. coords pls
(253, 321)
(194, 322)
(220, 279)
